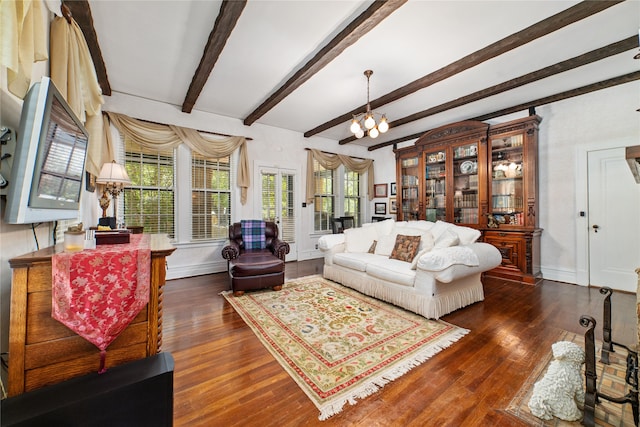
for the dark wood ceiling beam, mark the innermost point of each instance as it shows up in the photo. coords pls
(81, 13)
(626, 78)
(230, 11)
(578, 61)
(364, 23)
(553, 23)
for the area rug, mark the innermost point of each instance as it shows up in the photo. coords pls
(611, 381)
(337, 344)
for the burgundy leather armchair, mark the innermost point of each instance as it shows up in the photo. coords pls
(251, 269)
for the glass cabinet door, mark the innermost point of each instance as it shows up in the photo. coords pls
(409, 203)
(465, 184)
(435, 185)
(507, 197)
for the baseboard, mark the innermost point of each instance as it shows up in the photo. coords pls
(179, 272)
(310, 254)
(560, 275)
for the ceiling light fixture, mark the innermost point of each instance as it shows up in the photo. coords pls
(367, 119)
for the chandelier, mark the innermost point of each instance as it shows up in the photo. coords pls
(367, 121)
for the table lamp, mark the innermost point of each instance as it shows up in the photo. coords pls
(113, 177)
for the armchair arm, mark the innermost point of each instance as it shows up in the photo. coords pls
(231, 250)
(279, 248)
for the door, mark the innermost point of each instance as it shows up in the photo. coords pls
(277, 203)
(614, 224)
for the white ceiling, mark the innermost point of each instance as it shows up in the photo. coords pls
(151, 49)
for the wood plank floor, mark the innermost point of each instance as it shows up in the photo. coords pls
(225, 377)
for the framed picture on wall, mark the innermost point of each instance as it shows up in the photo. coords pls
(392, 206)
(380, 208)
(89, 182)
(380, 190)
(392, 190)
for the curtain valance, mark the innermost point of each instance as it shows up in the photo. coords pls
(332, 161)
(160, 137)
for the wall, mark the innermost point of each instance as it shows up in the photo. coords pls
(599, 120)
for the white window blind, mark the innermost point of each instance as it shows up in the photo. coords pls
(150, 201)
(324, 197)
(210, 197)
(287, 215)
(352, 196)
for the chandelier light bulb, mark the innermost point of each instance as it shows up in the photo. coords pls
(355, 126)
(383, 126)
(369, 121)
(366, 122)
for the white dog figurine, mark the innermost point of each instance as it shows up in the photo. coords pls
(560, 392)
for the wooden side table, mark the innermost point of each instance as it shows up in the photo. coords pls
(42, 351)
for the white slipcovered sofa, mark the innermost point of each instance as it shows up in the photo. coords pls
(443, 276)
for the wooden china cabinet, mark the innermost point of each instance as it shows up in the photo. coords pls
(443, 176)
(513, 196)
(481, 176)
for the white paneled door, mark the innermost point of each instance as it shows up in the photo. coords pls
(614, 221)
(278, 201)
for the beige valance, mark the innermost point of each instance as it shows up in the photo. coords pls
(332, 161)
(161, 137)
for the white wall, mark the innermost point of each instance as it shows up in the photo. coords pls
(599, 120)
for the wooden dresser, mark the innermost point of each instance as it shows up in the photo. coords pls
(43, 351)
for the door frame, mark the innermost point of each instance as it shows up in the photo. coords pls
(257, 199)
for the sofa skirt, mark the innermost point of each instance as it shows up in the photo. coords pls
(434, 302)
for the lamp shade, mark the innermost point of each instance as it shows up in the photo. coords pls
(113, 174)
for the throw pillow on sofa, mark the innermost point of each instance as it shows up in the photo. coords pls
(426, 245)
(466, 235)
(447, 239)
(406, 248)
(359, 239)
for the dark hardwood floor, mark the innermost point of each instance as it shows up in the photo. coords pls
(225, 377)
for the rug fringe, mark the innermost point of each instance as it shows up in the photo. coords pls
(376, 383)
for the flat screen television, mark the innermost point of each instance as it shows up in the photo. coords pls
(48, 165)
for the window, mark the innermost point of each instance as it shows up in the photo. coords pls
(210, 197)
(352, 196)
(324, 197)
(149, 200)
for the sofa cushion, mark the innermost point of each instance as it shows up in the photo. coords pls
(447, 239)
(359, 239)
(405, 248)
(392, 270)
(384, 227)
(426, 245)
(385, 244)
(356, 261)
(467, 235)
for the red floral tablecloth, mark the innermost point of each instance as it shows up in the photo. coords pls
(97, 293)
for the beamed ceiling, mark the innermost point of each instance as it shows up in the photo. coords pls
(299, 65)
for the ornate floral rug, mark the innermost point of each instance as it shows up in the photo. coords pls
(611, 381)
(337, 344)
